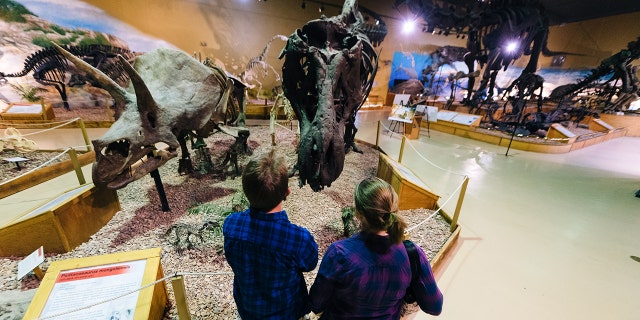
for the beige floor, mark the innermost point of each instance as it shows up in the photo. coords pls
(544, 236)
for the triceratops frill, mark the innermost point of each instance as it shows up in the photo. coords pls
(327, 74)
(171, 96)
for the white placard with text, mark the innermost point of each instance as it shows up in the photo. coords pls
(30, 262)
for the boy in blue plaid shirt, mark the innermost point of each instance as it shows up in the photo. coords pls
(267, 252)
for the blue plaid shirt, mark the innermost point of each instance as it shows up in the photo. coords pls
(268, 255)
(354, 282)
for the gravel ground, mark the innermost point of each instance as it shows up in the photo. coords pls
(142, 224)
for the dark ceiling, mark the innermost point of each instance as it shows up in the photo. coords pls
(558, 11)
(566, 11)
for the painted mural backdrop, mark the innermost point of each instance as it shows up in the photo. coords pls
(408, 66)
(89, 17)
(28, 26)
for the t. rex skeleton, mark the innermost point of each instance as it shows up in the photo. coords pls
(327, 74)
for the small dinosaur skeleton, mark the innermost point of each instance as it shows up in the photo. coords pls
(50, 68)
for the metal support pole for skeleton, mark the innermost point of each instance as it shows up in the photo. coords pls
(155, 174)
(520, 119)
(378, 135)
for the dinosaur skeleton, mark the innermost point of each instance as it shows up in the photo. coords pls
(489, 27)
(257, 68)
(175, 97)
(328, 72)
(617, 67)
(50, 68)
(445, 55)
(281, 102)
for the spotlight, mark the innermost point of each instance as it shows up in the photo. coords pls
(303, 5)
(408, 26)
(511, 46)
(321, 9)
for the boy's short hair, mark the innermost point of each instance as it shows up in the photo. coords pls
(265, 181)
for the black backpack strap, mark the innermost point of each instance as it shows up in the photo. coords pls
(414, 258)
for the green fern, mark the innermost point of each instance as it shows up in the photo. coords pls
(27, 92)
(349, 225)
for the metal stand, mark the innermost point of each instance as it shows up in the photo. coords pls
(163, 196)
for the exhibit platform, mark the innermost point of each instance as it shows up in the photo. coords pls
(27, 111)
(55, 206)
(559, 139)
(58, 214)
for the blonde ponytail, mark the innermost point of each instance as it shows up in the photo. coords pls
(377, 203)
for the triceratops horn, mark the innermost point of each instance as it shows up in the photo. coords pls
(117, 92)
(143, 95)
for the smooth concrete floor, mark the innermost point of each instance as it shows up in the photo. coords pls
(543, 236)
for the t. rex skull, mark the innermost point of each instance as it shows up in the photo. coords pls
(327, 73)
(173, 96)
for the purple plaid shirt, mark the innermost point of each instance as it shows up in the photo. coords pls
(354, 282)
(268, 255)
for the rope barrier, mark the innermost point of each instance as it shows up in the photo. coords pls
(410, 229)
(105, 301)
(280, 125)
(41, 124)
(41, 166)
(52, 128)
(89, 306)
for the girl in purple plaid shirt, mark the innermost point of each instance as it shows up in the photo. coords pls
(366, 276)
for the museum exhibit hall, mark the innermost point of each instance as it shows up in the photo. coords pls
(509, 132)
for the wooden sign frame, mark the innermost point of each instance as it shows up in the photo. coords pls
(151, 301)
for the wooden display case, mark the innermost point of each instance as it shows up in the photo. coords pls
(28, 111)
(60, 224)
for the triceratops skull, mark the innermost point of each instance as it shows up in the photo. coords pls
(327, 73)
(173, 95)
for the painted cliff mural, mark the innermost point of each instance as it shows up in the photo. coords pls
(30, 69)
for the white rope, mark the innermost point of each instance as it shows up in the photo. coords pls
(40, 166)
(134, 291)
(105, 301)
(408, 230)
(203, 273)
(40, 124)
(433, 164)
(278, 124)
(52, 128)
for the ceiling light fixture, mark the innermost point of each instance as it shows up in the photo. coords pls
(321, 9)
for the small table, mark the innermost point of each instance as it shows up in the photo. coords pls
(16, 160)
